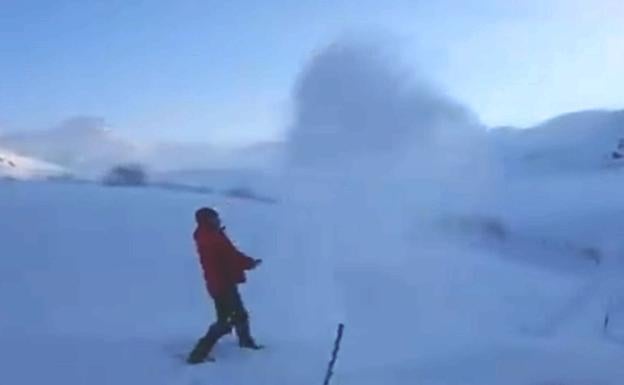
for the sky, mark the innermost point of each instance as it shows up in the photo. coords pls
(223, 71)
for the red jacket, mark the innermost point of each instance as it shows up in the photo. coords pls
(224, 266)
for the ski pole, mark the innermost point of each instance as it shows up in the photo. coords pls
(332, 362)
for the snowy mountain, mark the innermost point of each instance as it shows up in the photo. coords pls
(87, 145)
(83, 144)
(576, 142)
(14, 166)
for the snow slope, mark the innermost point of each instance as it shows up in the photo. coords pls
(577, 142)
(14, 166)
(89, 146)
(83, 144)
(102, 286)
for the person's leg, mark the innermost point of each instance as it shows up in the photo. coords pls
(240, 319)
(217, 330)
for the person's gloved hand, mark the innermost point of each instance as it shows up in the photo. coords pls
(256, 263)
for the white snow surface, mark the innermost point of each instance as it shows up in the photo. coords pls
(102, 286)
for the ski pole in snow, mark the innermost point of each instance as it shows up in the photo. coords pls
(330, 368)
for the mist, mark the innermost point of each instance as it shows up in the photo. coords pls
(394, 198)
(365, 126)
(376, 158)
(354, 103)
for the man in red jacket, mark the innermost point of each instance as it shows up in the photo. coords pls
(224, 268)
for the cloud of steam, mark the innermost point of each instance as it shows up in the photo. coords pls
(375, 156)
(354, 105)
(362, 124)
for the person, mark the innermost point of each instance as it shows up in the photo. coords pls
(224, 268)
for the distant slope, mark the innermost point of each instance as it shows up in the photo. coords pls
(88, 146)
(579, 141)
(14, 166)
(83, 144)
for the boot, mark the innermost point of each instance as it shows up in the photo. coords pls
(250, 345)
(245, 340)
(201, 351)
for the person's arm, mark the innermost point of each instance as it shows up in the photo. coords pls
(239, 260)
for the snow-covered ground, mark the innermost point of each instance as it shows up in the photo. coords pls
(102, 286)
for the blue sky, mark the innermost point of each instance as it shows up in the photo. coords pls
(222, 71)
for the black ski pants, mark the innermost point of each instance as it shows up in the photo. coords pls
(231, 312)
